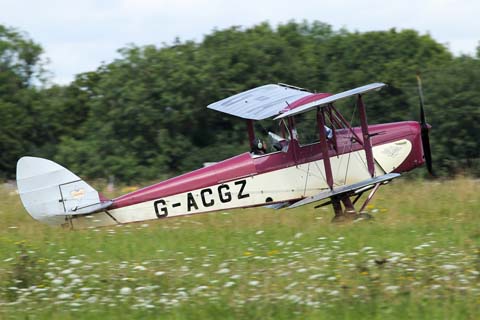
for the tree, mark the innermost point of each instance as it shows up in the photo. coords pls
(20, 67)
(453, 101)
(143, 116)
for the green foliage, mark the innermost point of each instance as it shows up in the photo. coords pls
(20, 67)
(20, 60)
(143, 116)
(454, 108)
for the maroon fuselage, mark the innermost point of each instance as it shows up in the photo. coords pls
(245, 164)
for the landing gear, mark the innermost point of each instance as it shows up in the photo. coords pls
(348, 213)
(343, 194)
(342, 215)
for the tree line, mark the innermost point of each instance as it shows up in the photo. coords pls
(143, 116)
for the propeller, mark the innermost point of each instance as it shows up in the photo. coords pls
(424, 129)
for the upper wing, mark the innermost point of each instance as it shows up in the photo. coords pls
(323, 101)
(352, 188)
(259, 103)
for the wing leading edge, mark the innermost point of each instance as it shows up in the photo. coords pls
(324, 101)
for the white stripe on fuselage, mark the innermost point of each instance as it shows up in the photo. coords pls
(290, 183)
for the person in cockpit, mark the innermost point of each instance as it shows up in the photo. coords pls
(259, 146)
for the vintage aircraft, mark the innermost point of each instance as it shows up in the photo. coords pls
(337, 168)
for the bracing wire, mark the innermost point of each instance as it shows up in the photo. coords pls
(351, 145)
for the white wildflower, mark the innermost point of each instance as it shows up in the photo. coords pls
(294, 298)
(291, 285)
(74, 261)
(223, 271)
(198, 289)
(392, 288)
(66, 271)
(334, 293)
(125, 291)
(394, 259)
(449, 267)
(140, 268)
(64, 296)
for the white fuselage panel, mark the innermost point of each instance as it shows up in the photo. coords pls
(281, 185)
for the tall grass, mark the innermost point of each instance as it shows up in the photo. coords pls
(419, 258)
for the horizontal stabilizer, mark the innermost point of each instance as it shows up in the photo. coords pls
(351, 188)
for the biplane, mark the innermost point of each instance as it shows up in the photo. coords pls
(337, 168)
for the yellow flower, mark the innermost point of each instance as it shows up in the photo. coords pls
(129, 189)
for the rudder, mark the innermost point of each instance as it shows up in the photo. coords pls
(50, 192)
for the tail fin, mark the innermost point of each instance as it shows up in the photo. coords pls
(50, 193)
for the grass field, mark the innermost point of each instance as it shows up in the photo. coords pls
(418, 259)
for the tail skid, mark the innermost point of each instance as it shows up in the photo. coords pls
(50, 193)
